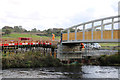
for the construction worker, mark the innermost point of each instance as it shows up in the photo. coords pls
(81, 46)
(53, 37)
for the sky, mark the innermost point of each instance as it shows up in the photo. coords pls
(45, 14)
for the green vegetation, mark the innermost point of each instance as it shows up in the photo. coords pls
(113, 46)
(36, 59)
(18, 29)
(16, 35)
(7, 32)
(109, 44)
(103, 60)
(28, 60)
(109, 59)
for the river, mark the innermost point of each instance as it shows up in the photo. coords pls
(68, 72)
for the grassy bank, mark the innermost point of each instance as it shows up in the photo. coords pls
(109, 60)
(103, 60)
(109, 44)
(113, 46)
(16, 35)
(29, 60)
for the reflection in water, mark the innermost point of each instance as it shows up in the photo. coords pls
(71, 71)
(63, 72)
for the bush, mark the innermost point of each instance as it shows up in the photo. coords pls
(109, 60)
(29, 59)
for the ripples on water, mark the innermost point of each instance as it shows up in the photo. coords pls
(64, 72)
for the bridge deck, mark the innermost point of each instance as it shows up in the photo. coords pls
(88, 37)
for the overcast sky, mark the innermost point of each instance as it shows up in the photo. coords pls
(44, 14)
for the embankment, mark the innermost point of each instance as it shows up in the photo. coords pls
(28, 60)
(103, 60)
(109, 60)
(36, 59)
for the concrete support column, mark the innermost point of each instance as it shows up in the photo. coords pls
(75, 33)
(68, 34)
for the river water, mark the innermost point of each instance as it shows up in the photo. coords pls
(68, 72)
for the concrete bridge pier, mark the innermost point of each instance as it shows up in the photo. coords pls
(68, 52)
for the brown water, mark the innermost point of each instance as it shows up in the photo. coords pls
(68, 72)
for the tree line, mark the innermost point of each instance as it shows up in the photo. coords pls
(19, 29)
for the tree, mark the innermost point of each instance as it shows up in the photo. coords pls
(7, 32)
(34, 30)
(25, 31)
(18, 29)
(39, 31)
(7, 28)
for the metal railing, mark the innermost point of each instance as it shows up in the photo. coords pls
(92, 29)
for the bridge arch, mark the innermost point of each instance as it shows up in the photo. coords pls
(93, 31)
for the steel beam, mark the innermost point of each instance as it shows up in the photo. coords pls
(93, 21)
(75, 33)
(112, 28)
(93, 27)
(102, 28)
(68, 31)
(84, 32)
(89, 41)
(92, 30)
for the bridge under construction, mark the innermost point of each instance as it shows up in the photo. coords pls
(105, 30)
(100, 30)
